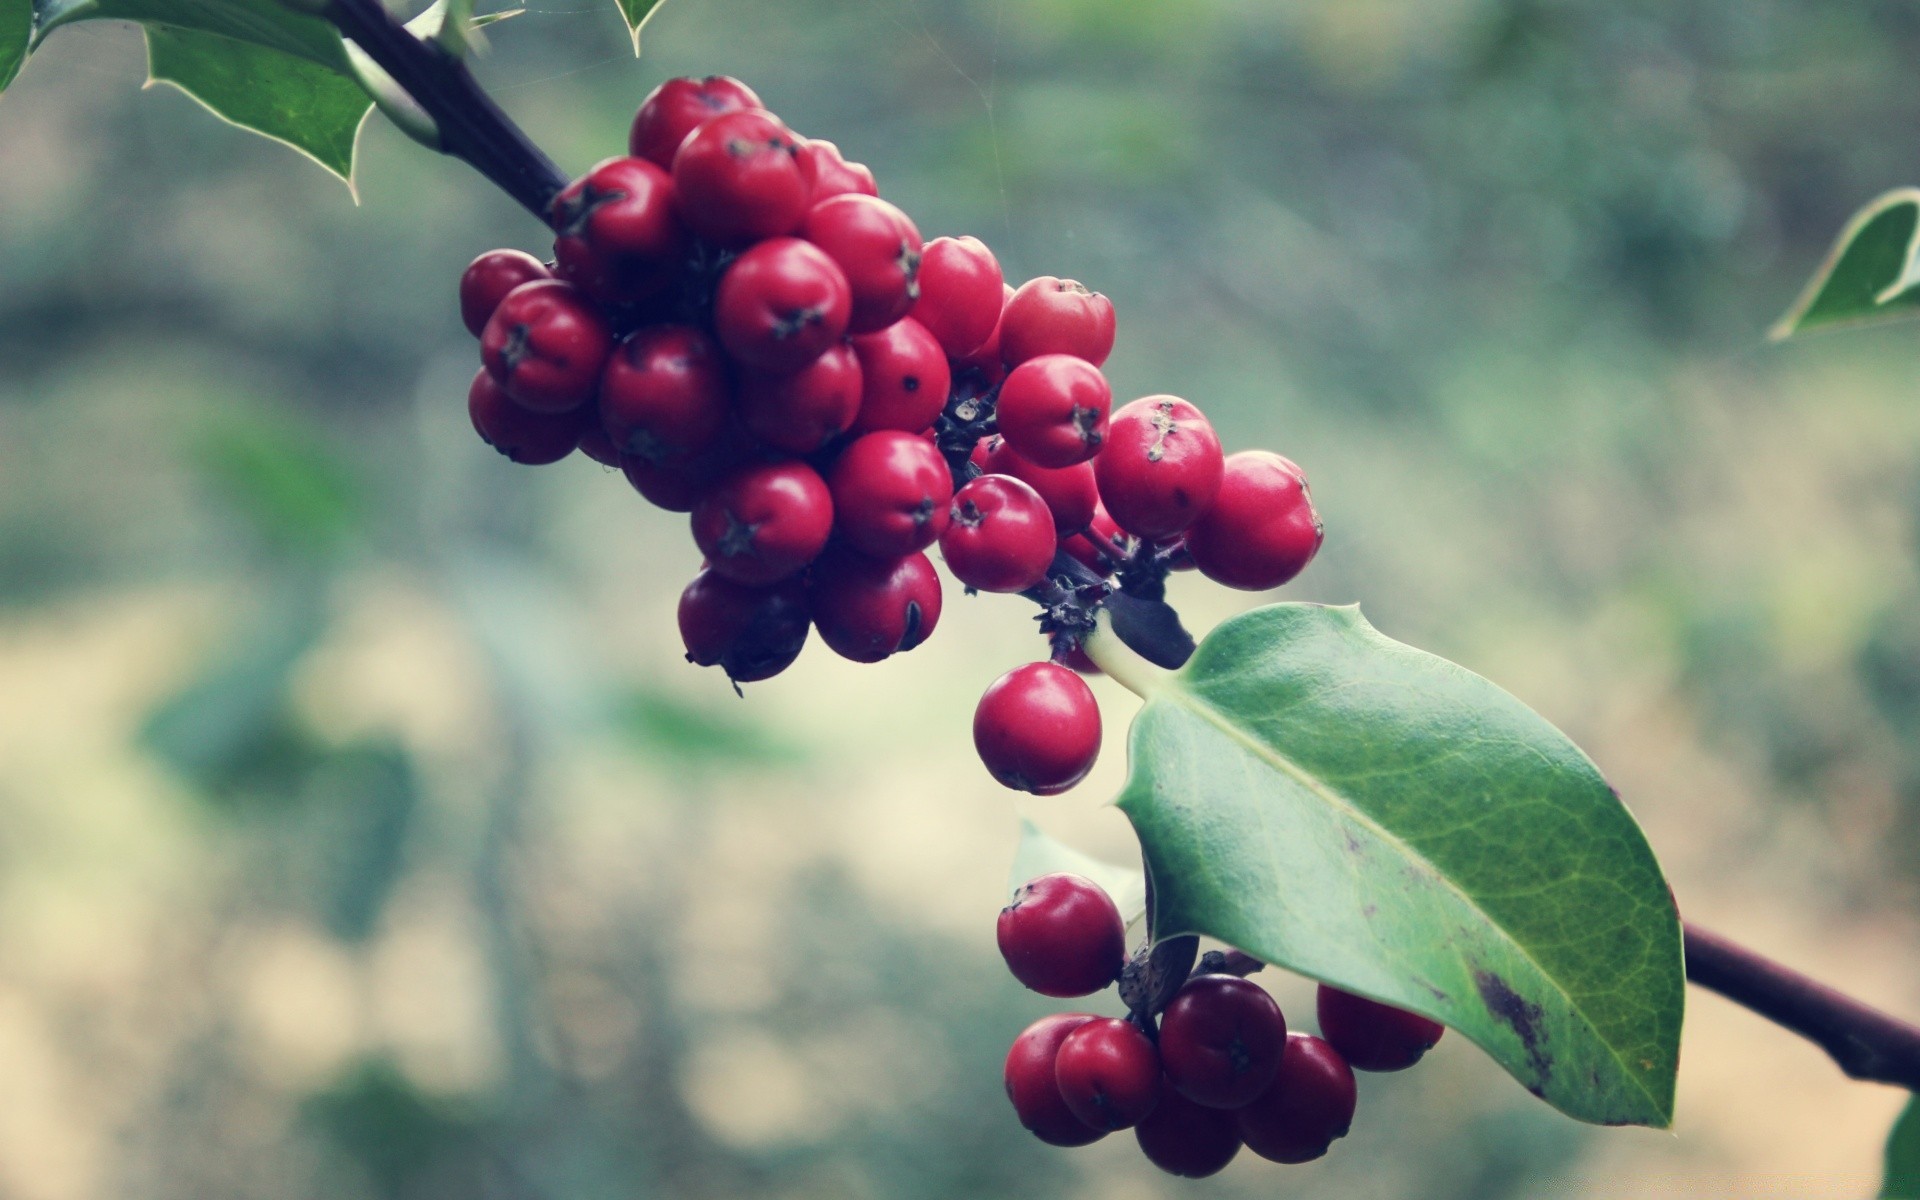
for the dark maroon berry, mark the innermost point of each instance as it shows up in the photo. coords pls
(1108, 1073)
(961, 294)
(1261, 529)
(803, 410)
(678, 484)
(1309, 1104)
(890, 493)
(489, 278)
(1063, 936)
(663, 394)
(1183, 1138)
(618, 239)
(752, 633)
(594, 442)
(999, 536)
(1033, 1088)
(678, 107)
(1071, 495)
(525, 437)
(1056, 316)
(1221, 1038)
(764, 523)
(737, 178)
(1161, 467)
(780, 305)
(904, 378)
(545, 344)
(1053, 409)
(829, 174)
(1037, 729)
(870, 608)
(980, 368)
(1373, 1036)
(877, 247)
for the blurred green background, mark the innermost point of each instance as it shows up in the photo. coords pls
(362, 834)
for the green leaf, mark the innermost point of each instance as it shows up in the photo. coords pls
(268, 23)
(1872, 272)
(669, 728)
(1334, 802)
(637, 14)
(1039, 854)
(312, 108)
(1903, 1156)
(282, 477)
(16, 33)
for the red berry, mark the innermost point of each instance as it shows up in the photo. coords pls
(1161, 467)
(1037, 729)
(525, 437)
(737, 179)
(1261, 530)
(904, 378)
(619, 239)
(1309, 1104)
(1070, 492)
(1053, 409)
(780, 305)
(878, 248)
(828, 174)
(1063, 936)
(1220, 1039)
(870, 608)
(678, 107)
(981, 368)
(1108, 1073)
(488, 279)
(1056, 316)
(663, 394)
(999, 536)
(1032, 1086)
(804, 410)
(961, 293)
(596, 445)
(890, 493)
(1373, 1036)
(752, 633)
(1182, 1138)
(545, 344)
(764, 523)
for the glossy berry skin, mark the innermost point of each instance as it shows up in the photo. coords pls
(961, 293)
(1063, 936)
(981, 368)
(780, 305)
(1037, 729)
(1161, 467)
(1183, 1138)
(804, 410)
(1221, 1038)
(1070, 492)
(1034, 1089)
(488, 279)
(764, 523)
(752, 633)
(877, 247)
(904, 378)
(891, 491)
(1261, 530)
(868, 609)
(678, 107)
(529, 438)
(1056, 316)
(619, 238)
(1108, 1073)
(829, 174)
(737, 178)
(999, 535)
(663, 394)
(1309, 1105)
(1053, 409)
(1373, 1036)
(545, 344)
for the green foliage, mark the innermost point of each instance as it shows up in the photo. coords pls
(637, 14)
(16, 32)
(1903, 1156)
(267, 23)
(668, 729)
(1870, 274)
(1039, 854)
(1368, 814)
(283, 478)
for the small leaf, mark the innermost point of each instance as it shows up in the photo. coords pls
(1326, 799)
(16, 33)
(637, 14)
(1903, 1156)
(1039, 854)
(269, 23)
(1872, 272)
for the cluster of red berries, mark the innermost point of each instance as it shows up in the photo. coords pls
(1217, 1071)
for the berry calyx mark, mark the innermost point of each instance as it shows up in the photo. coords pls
(796, 322)
(519, 345)
(968, 513)
(1086, 423)
(737, 541)
(1163, 427)
(575, 211)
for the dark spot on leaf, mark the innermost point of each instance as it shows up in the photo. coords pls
(1519, 1014)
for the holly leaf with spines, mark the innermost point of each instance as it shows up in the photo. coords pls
(637, 13)
(1042, 854)
(16, 34)
(1334, 802)
(1872, 273)
(1903, 1156)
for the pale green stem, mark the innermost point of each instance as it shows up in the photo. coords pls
(1119, 661)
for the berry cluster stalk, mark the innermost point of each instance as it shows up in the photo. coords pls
(1866, 1043)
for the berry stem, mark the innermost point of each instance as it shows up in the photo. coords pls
(1126, 666)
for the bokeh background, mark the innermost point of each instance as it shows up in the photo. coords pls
(363, 835)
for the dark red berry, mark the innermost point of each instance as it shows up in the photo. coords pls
(877, 247)
(545, 344)
(525, 437)
(678, 107)
(981, 368)
(764, 523)
(999, 535)
(890, 493)
(1108, 1073)
(1033, 1088)
(1056, 316)
(804, 410)
(1053, 409)
(737, 178)
(904, 378)
(752, 633)
(1070, 492)
(1373, 1036)
(678, 484)
(1183, 1138)
(594, 442)
(1309, 1104)
(961, 293)
(1161, 467)
(1220, 1040)
(1261, 530)
(870, 608)
(663, 394)
(829, 174)
(780, 305)
(1063, 936)
(1037, 729)
(618, 239)
(489, 278)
